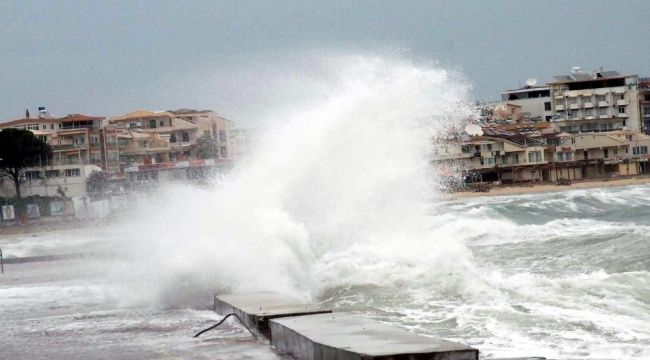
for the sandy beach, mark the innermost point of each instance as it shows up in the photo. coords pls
(548, 187)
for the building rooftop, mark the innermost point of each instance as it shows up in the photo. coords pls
(69, 117)
(578, 75)
(140, 114)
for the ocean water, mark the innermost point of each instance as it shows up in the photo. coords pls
(339, 204)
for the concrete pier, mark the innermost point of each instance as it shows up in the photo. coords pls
(256, 309)
(345, 336)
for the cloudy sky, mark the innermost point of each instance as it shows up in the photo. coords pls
(111, 57)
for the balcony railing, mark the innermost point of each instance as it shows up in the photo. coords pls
(603, 103)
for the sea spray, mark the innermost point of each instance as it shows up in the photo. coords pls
(337, 192)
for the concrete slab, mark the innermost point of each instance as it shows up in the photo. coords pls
(255, 309)
(346, 336)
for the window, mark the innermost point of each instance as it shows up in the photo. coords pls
(223, 151)
(52, 173)
(621, 97)
(511, 159)
(222, 135)
(143, 143)
(172, 138)
(547, 106)
(606, 153)
(534, 156)
(573, 140)
(564, 156)
(152, 124)
(94, 139)
(51, 126)
(639, 150)
(162, 123)
(621, 109)
(553, 141)
(95, 157)
(185, 136)
(44, 126)
(548, 118)
(32, 175)
(72, 172)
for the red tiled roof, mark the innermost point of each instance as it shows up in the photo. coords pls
(69, 117)
(80, 117)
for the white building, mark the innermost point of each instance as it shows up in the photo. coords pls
(595, 101)
(535, 101)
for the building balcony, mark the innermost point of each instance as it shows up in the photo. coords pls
(622, 102)
(588, 105)
(574, 106)
(604, 116)
(589, 117)
(560, 107)
(603, 103)
(622, 115)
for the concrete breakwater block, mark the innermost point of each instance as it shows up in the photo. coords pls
(256, 309)
(345, 336)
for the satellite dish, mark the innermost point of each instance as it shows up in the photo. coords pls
(531, 82)
(473, 130)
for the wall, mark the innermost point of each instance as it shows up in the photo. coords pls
(73, 186)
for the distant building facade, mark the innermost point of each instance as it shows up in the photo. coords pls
(595, 101)
(535, 101)
(133, 148)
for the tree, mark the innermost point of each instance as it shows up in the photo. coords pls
(20, 150)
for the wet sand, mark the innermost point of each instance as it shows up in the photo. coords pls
(547, 187)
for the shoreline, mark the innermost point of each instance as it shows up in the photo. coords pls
(506, 190)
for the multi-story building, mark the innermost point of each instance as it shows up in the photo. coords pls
(535, 154)
(135, 147)
(595, 101)
(80, 145)
(169, 136)
(644, 103)
(535, 101)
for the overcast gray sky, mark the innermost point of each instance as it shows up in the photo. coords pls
(111, 57)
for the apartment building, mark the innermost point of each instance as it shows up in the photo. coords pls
(595, 101)
(535, 101)
(170, 136)
(644, 103)
(532, 154)
(133, 147)
(79, 146)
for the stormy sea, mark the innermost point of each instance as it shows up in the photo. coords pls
(338, 204)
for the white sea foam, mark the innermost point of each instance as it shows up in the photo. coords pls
(336, 192)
